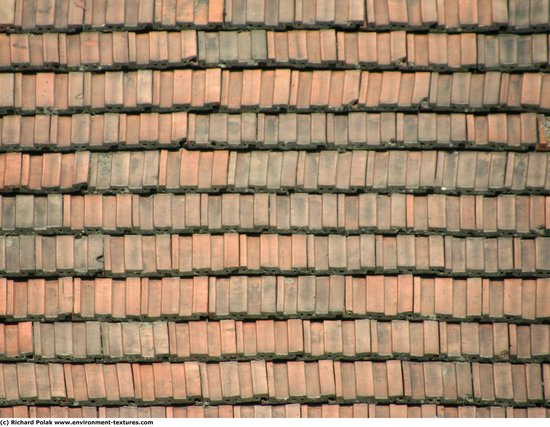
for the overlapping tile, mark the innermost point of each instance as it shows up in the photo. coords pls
(257, 297)
(275, 339)
(379, 15)
(67, 15)
(270, 131)
(271, 90)
(280, 208)
(165, 254)
(357, 129)
(315, 213)
(293, 381)
(291, 410)
(326, 48)
(100, 132)
(312, 172)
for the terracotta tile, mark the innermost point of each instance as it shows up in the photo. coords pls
(163, 380)
(297, 379)
(380, 380)
(433, 299)
(533, 375)
(280, 381)
(521, 342)
(400, 336)
(145, 391)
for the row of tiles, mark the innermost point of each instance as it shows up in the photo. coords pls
(373, 50)
(258, 47)
(292, 410)
(316, 213)
(261, 170)
(272, 90)
(359, 129)
(328, 171)
(446, 14)
(277, 339)
(293, 381)
(271, 131)
(387, 297)
(165, 254)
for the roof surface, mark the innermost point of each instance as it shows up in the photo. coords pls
(274, 208)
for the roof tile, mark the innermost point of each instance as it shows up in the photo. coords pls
(291, 146)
